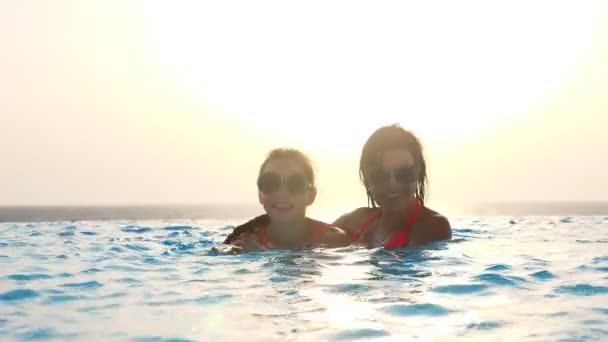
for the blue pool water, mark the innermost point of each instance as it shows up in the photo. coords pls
(499, 279)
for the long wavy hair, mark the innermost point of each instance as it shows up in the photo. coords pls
(388, 138)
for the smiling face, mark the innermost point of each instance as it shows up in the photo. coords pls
(392, 179)
(284, 190)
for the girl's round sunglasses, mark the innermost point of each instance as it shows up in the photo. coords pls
(271, 182)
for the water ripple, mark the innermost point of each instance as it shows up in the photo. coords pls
(178, 228)
(129, 280)
(461, 289)
(18, 295)
(85, 285)
(136, 229)
(417, 310)
(137, 248)
(62, 299)
(160, 339)
(28, 277)
(485, 325)
(500, 280)
(360, 334)
(543, 275)
(92, 270)
(143, 271)
(212, 299)
(582, 290)
(39, 334)
(349, 288)
(601, 310)
(594, 322)
(99, 308)
(152, 261)
(498, 268)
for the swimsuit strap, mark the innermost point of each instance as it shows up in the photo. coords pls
(357, 234)
(414, 214)
(398, 240)
(263, 237)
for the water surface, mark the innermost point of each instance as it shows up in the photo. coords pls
(500, 278)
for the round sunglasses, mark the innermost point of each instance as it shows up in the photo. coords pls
(271, 182)
(380, 176)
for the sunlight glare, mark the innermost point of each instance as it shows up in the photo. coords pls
(310, 77)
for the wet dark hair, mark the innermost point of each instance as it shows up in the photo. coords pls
(264, 219)
(388, 138)
(249, 226)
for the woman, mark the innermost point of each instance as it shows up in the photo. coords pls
(286, 187)
(393, 171)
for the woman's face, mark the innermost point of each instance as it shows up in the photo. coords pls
(284, 190)
(393, 179)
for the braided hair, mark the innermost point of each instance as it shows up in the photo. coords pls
(263, 220)
(387, 138)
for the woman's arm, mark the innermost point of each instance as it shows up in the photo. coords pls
(243, 243)
(351, 222)
(335, 237)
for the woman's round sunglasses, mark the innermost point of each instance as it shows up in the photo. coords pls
(403, 175)
(271, 182)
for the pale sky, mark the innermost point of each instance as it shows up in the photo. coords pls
(177, 102)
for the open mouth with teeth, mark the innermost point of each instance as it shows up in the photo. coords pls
(395, 196)
(282, 206)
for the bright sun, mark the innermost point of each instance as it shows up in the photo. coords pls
(309, 72)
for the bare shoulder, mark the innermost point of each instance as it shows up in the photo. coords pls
(432, 226)
(351, 221)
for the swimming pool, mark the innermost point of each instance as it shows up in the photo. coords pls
(500, 279)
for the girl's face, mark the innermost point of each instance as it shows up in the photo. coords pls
(393, 179)
(285, 191)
